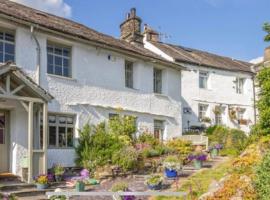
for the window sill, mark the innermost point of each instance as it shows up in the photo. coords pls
(61, 148)
(160, 95)
(61, 77)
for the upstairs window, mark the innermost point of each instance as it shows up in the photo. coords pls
(202, 111)
(128, 74)
(239, 85)
(157, 81)
(7, 47)
(58, 60)
(61, 131)
(203, 80)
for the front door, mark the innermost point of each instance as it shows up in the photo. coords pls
(4, 161)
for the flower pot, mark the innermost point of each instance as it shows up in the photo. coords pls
(79, 187)
(197, 164)
(155, 187)
(58, 178)
(42, 186)
(214, 153)
(170, 173)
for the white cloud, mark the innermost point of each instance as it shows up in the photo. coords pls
(256, 60)
(57, 7)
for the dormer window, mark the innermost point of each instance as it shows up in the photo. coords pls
(58, 60)
(7, 47)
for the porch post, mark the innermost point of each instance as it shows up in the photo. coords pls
(30, 140)
(45, 137)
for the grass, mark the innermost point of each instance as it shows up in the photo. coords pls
(198, 183)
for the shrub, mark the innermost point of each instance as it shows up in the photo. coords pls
(181, 147)
(233, 140)
(149, 139)
(123, 126)
(126, 158)
(262, 182)
(96, 146)
(172, 163)
(121, 186)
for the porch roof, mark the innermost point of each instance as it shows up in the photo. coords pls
(13, 70)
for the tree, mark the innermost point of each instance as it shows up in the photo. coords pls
(266, 28)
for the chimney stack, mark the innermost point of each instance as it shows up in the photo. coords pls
(150, 34)
(131, 28)
(266, 59)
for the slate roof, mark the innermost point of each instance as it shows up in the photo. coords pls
(59, 24)
(203, 58)
(12, 68)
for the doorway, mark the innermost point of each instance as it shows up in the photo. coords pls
(4, 142)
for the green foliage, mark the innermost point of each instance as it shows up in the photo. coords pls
(181, 147)
(96, 146)
(58, 169)
(266, 28)
(124, 127)
(126, 158)
(233, 140)
(263, 104)
(149, 139)
(262, 182)
(154, 179)
(121, 186)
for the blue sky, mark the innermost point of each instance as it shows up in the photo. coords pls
(227, 27)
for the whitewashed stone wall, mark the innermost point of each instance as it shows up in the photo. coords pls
(97, 88)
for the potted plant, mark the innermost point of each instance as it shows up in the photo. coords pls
(42, 182)
(80, 184)
(154, 182)
(122, 187)
(58, 172)
(214, 149)
(171, 165)
(197, 158)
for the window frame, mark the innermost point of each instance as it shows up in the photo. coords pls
(129, 74)
(55, 45)
(157, 80)
(13, 33)
(161, 128)
(58, 125)
(239, 85)
(204, 75)
(200, 112)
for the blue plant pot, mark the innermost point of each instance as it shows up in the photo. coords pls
(155, 187)
(171, 173)
(42, 186)
(197, 164)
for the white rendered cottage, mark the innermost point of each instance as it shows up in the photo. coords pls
(215, 89)
(68, 75)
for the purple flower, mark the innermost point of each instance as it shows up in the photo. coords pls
(85, 173)
(201, 157)
(50, 177)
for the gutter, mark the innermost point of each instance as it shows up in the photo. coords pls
(97, 44)
(38, 53)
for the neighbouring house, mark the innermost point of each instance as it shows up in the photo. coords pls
(63, 74)
(215, 89)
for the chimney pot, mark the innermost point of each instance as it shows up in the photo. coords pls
(133, 12)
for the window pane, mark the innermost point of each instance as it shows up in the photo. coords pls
(2, 139)
(58, 60)
(1, 57)
(66, 72)
(52, 136)
(58, 70)
(1, 47)
(50, 59)
(1, 35)
(66, 62)
(50, 69)
(9, 37)
(70, 120)
(50, 49)
(9, 57)
(70, 137)
(62, 137)
(52, 119)
(62, 120)
(9, 48)
(58, 51)
(66, 52)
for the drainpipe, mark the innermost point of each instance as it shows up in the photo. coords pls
(38, 53)
(254, 100)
